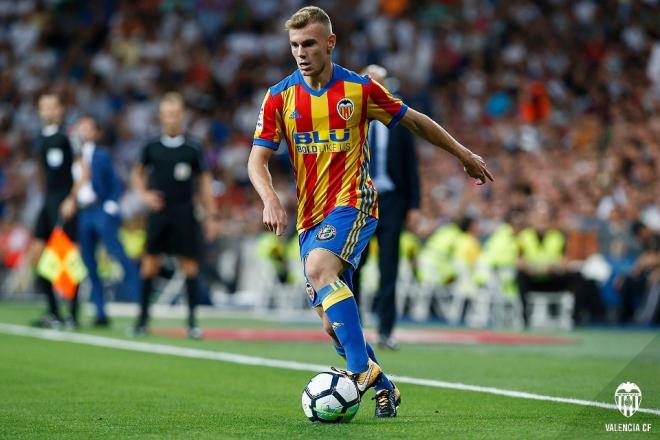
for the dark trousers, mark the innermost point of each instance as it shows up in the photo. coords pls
(589, 306)
(392, 215)
(96, 225)
(632, 293)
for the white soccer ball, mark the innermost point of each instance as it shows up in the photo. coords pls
(330, 398)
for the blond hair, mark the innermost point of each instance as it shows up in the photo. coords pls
(175, 97)
(308, 15)
(53, 95)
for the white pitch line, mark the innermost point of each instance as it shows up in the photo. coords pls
(148, 347)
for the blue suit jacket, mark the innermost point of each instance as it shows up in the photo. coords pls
(105, 182)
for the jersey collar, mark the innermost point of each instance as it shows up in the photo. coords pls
(172, 142)
(50, 130)
(322, 90)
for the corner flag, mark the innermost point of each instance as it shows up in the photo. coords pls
(61, 264)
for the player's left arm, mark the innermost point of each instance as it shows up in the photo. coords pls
(426, 128)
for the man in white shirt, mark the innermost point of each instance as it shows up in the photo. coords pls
(95, 196)
(393, 169)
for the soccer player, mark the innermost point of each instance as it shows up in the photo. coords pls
(322, 110)
(166, 178)
(56, 157)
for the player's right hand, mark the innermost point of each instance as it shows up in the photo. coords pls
(153, 200)
(476, 168)
(275, 218)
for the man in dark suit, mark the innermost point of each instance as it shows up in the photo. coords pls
(393, 168)
(95, 196)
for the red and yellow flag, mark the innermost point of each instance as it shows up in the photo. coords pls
(61, 264)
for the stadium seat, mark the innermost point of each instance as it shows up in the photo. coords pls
(506, 309)
(541, 314)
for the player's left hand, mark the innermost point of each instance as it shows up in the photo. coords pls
(475, 167)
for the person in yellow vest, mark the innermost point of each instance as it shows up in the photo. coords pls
(541, 266)
(409, 249)
(272, 248)
(295, 274)
(500, 254)
(435, 258)
(467, 252)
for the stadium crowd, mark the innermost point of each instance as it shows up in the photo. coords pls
(561, 97)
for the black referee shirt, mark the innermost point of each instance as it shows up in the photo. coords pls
(172, 167)
(56, 158)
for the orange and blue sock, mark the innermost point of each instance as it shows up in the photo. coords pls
(341, 309)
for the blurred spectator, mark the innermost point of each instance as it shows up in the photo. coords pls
(569, 89)
(394, 171)
(56, 157)
(94, 197)
(171, 174)
(639, 286)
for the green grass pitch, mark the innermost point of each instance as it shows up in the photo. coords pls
(54, 389)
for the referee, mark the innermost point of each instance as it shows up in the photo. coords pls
(56, 158)
(171, 170)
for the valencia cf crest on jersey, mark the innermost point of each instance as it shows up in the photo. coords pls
(345, 108)
(310, 292)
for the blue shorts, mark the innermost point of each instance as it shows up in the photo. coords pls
(345, 232)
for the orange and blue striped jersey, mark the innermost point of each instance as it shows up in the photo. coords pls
(326, 133)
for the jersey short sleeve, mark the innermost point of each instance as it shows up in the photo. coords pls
(144, 155)
(201, 163)
(268, 132)
(383, 106)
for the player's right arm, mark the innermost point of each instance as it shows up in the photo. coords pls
(267, 138)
